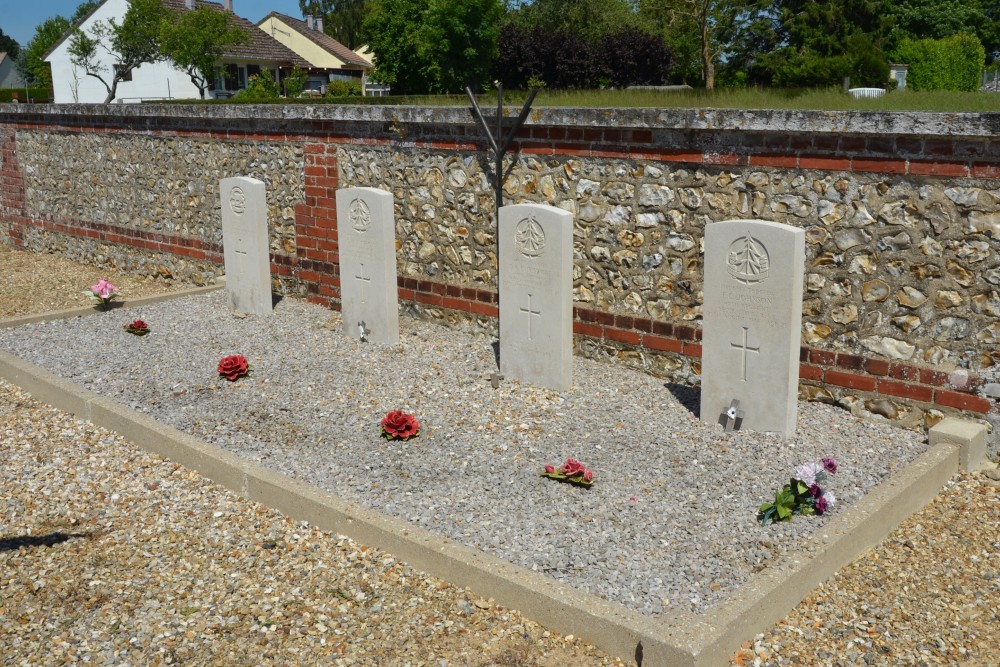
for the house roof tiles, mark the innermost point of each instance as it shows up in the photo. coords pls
(261, 46)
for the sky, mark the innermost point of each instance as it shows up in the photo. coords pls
(18, 18)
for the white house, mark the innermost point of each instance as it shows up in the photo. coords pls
(161, 80)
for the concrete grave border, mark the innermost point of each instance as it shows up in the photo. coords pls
(682, 639)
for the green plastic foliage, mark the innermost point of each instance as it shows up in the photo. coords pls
(951, 63)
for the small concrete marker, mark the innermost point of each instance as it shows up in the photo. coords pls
(968, 435)
(751, 327)
(245, 245)
(366, 233)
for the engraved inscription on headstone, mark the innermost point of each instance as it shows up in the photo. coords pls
(245, 245)
(751, 326)
(536, 295)
(367, 238)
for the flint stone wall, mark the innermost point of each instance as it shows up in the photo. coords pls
(906, 268)
(901, 315)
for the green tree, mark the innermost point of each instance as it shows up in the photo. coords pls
(935, 19)
(826, 40)
(295, 82)
(9, 45)
(82, 10)
(133, 42)
(951, 63)
(32, 64)
(436, 46)
(703, 33)
(260, 87)
(591, 20)
(195, 40)
(342, 19)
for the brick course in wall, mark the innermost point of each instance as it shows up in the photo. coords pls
(685, 139)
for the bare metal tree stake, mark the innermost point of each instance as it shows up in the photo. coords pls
(498, 142)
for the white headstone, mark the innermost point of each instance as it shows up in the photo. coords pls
(245, 245)
(366, 233)
(536, 295)
(751, 325)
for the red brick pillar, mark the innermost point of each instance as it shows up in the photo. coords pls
(317, 251)
(12, 210)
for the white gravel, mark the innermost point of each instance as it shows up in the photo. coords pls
(669, 523)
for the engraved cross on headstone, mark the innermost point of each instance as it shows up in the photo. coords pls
(530, 313)
(241, 250)
(743, 347)
(364, 281)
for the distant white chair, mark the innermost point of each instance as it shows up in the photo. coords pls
(859, 93)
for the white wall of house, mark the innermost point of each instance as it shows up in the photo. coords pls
(150, 81)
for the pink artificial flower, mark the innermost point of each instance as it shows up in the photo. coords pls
(588, 475)
(550, 469)
(103, 289)
(571, 467)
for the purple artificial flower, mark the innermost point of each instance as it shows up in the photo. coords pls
(815, 491)
(821, 505)
(829, 465)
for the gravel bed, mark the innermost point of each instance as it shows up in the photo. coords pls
(669, 524)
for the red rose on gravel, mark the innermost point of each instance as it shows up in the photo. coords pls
(399, 425)
(138, 328)
(571, 471)
(233, 367)
(572, 467)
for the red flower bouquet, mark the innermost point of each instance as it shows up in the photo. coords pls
(233, 367)
(571, 471)
(137, 328)
(397, 425)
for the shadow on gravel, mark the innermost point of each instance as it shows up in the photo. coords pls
(689, 397)
(50, 540)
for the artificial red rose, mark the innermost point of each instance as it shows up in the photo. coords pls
(571, 471)
(399, 425)
(234, 366)
(138, 327)
(572, 467)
